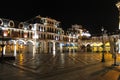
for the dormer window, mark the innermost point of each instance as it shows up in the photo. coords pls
(30, 27)
(1, 22)
(21, 26)
(11, 24)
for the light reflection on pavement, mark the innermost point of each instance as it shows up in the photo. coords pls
(71, 66)
(44, 63)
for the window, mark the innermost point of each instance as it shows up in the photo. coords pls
(21, 26)
(11, 24)
(0, 22)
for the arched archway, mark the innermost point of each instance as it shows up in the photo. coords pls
(10, 48)
(50, 47)
(57, 47)
(20, 46)
(88, 48)
(40, 47)
(83, 48)
(29, 49)
(29, 46)
(65, 47)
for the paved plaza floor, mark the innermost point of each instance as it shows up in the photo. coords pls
(62, 66)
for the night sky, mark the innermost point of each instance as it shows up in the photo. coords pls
(91, 14)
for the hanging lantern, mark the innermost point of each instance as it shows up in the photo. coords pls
(25, 35)
(5, 33)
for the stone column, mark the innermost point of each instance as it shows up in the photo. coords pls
(45, 47)
(4, 50)
(61, 48)
(34, 51)
(15, 50)
(53, 47)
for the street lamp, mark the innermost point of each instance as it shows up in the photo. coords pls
(103, 58)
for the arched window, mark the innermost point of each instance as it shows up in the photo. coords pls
(11, 24)
(1, 22)
(21, 26)
(30, 27)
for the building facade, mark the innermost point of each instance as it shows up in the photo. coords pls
(38, 35)
(45, 35)
(118, 6)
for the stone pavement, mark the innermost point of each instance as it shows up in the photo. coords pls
(68, 67)
(45, 63)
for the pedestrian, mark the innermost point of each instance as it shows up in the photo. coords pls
(118, 46)
(112, 47)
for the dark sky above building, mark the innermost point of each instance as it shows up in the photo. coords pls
(91, 14)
